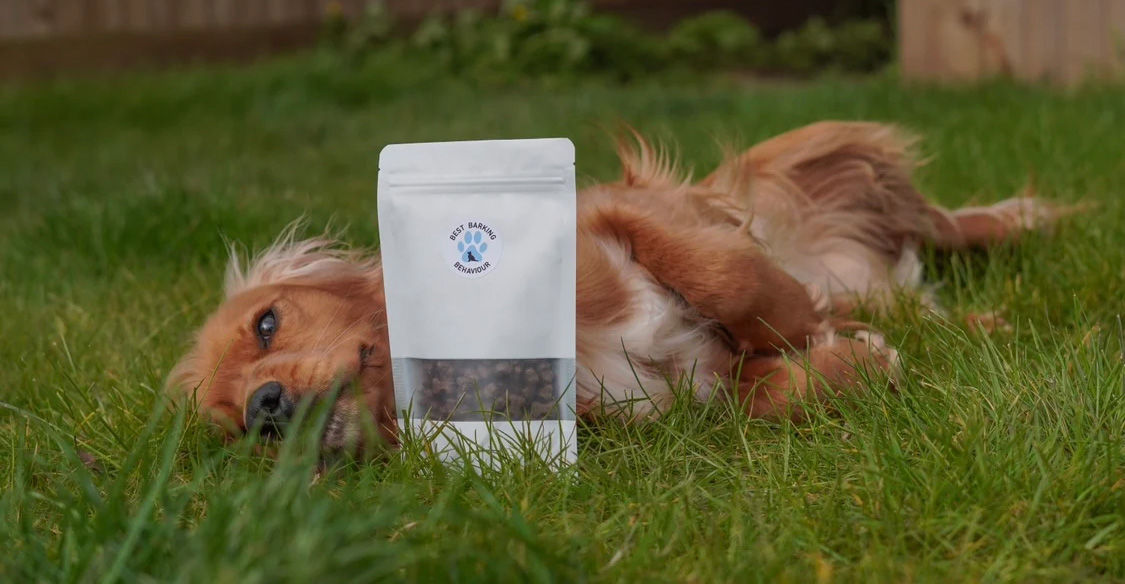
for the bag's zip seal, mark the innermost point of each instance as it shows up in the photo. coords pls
(474, 181)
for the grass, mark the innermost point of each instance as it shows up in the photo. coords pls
(1001, 459)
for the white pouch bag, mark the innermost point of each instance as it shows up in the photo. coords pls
(478, 242)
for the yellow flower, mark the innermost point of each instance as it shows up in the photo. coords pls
(519, 13)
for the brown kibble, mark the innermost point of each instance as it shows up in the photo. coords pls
(516, 389)
(988, 323)
(90, 461)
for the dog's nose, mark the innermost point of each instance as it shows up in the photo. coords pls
(271, 407)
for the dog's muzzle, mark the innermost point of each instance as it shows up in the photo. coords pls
(270, 407)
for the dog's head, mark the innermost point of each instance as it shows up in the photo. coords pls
(304, 322)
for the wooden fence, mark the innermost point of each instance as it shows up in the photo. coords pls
(1062, 42)
(30, 19)
(24, 19)
(41, 37)
(44, 37)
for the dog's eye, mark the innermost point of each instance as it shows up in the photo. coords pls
(267, 326)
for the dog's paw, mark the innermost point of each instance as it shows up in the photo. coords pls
(1028, 213)
(822, 304)
(877, 347)
(846, 364)
(988, 322)
(1024, 213)
(473, 247)
(845, 360)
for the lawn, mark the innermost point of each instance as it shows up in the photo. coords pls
(1002, 459)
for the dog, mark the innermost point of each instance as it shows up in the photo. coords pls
(743, 285)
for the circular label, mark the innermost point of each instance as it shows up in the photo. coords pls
(473, 248)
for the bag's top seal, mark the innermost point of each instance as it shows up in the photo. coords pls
(478, 157)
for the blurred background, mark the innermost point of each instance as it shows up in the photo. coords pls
(1059, 41)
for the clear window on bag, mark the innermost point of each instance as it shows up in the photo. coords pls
(477, 390)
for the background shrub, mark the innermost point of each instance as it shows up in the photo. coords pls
(552, 39)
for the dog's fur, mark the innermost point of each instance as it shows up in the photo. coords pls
(741, 282)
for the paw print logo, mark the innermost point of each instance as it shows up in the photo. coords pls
(472, 248)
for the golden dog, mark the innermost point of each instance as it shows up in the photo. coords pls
(741, 283)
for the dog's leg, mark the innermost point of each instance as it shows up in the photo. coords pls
(774, 387)
(970, 228)
(722, 274)
(863, 171)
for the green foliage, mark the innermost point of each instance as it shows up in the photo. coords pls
(716, 38)
(377, 26)
(854, 46)
(536, 38)
(564, 38)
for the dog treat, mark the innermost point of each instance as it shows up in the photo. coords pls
(478, 242)
(500, 389)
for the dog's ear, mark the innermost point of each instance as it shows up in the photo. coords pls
(191, 384)
(185, 379)
(643, 164)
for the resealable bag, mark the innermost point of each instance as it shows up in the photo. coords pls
(478, 244)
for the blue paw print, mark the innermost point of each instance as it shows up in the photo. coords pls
(472, 249)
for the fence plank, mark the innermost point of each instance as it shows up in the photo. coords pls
(193, 14)
(69, 16)
(957, 28)
(139, 15)
(1003, 37)
(41, 18)
(1042, 39)
(162, 15)
(1105, 60)
(111, 16)
(913, 42)
(20, 14)
(1115, 38)
(1081, 33)
(256, 11)
(280, 11)
(224, 13)
(8, 27)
